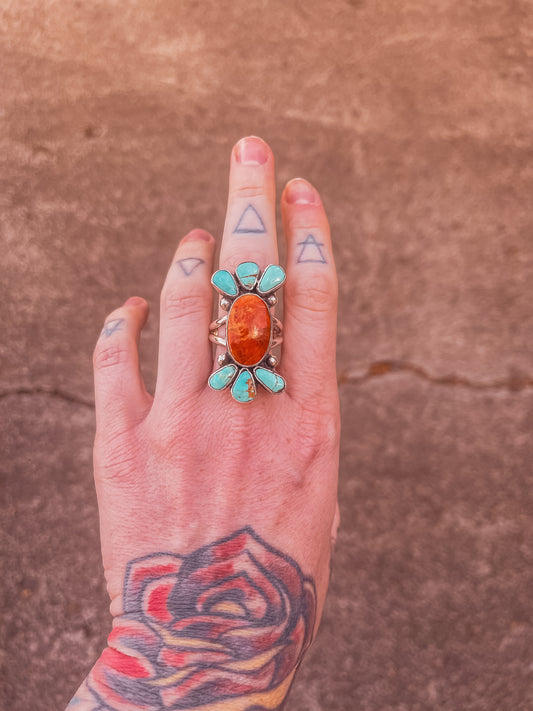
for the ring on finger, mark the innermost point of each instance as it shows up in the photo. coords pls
(251, 330)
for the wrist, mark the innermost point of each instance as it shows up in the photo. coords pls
(224, 627)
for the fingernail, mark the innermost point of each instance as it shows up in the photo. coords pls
(197, 234)
(134, 301)
(251, 151)
(300, 192)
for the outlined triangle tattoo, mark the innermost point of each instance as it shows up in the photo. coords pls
(250, 222)
(189, 264)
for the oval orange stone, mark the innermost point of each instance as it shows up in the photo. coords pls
(248, 329)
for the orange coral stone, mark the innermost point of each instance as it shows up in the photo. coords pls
(248, 329)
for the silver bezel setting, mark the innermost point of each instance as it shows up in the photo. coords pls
(268, 361)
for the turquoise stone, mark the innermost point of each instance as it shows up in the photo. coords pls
(272, 381)
(222, 377)
(224, 282)
(243, 389)
(247, 273)
(273, 277)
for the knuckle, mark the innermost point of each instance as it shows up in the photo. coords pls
(330, 428)
(111, 354)
(166, 441)
(178, 303)
(316, 229)
(248, 191)
(116, 455)
(160, 438)
(318, 296)
(318, 432)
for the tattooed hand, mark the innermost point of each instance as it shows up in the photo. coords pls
(217, 518)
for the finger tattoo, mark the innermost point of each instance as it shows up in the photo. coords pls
(112, 326)
(189, 264)
(250, 222)
(311, 251)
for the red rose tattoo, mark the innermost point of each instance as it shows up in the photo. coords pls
(223, 628)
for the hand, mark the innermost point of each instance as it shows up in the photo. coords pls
(190, 466)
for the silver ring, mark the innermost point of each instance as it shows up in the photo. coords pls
(251, 330)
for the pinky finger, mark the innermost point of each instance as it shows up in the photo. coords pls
(120, 394)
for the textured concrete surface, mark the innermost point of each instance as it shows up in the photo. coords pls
(414, 120)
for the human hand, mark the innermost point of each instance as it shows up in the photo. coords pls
(200, 623)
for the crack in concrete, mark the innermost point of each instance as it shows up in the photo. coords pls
(51, 392)
(380, 368)
(377, 369)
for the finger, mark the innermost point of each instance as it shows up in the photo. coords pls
(310, 300)
(185, 357)
(250, 227)
(120, 393)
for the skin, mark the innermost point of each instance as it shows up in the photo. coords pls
(180, 469)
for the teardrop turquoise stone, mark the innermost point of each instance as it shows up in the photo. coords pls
(247, 273)
(222, 377)
(273, 277)
(224, 282)
(272, 381)
(243, 389)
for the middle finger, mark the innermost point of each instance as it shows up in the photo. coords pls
(250, 227)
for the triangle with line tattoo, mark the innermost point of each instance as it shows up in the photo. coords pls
(311, 251)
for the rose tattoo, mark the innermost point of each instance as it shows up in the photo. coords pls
(221, 629)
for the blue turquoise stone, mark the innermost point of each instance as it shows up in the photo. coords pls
(222, 377)
(243, 389)
(224, 282)
(247, 273)
(272, 381)
(273, 277)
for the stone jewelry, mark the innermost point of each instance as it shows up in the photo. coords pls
(251, 330)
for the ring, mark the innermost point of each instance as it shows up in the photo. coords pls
(251, 330)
